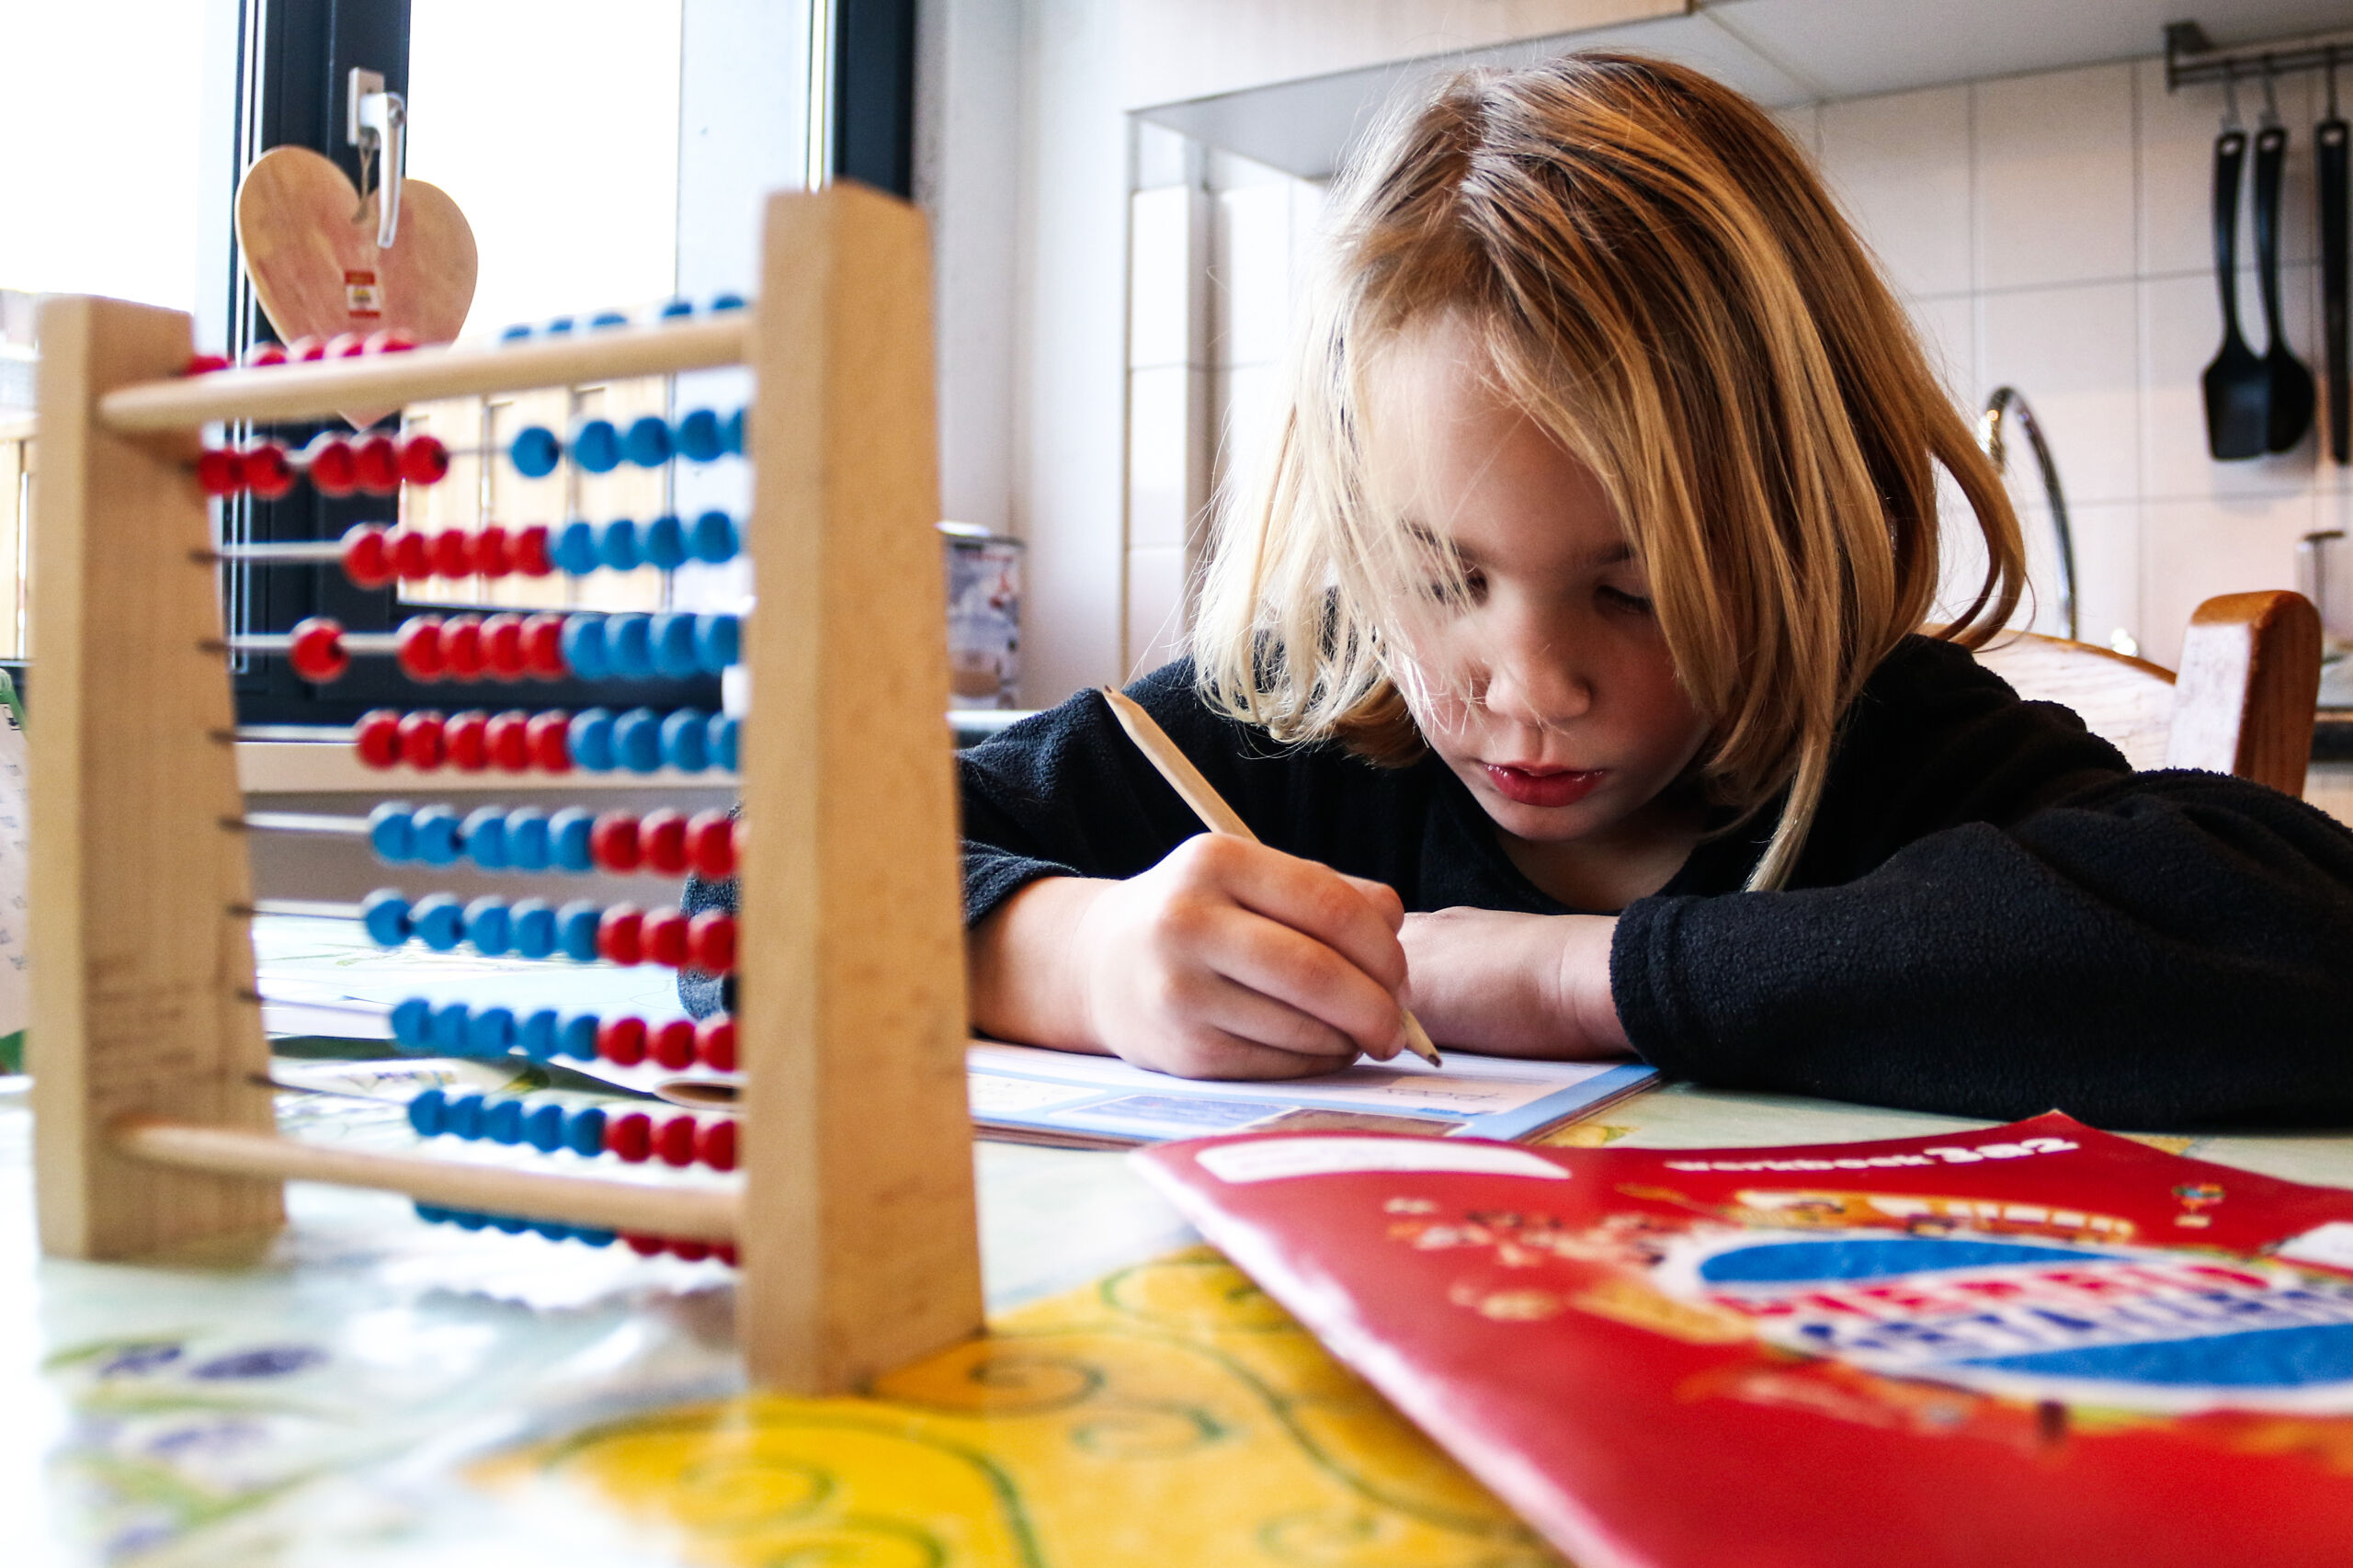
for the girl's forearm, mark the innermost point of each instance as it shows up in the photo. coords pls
(1515, 985)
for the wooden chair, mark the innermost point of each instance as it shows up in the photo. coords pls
(2242, 703)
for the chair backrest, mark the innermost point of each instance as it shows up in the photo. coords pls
(2243, 702)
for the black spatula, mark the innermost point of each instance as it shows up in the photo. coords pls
(2292, 397)
(2238, 387)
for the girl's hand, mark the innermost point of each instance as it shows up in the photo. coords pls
(1228, 959)
(1514, 985)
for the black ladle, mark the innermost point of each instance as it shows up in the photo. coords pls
(2331, 137)
(2292, 397)
(2237, 385)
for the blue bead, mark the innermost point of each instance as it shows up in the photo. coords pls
(628, 642)
(483, 832)
(665, 542)
(730, 435)
(584, 647)
(527, 848)
(575, 548)
(491, 1032)
(591, 740)
(464, 1119)
(596, 447)
(503, 1122)
(559, 326)
(728, 301)
(609, 318)
(427, 1111)
(535, 452)
(543, 1127)
(648, 442)
(385, 915)
(715, 539)
(535, 1036)
(412, 1023)
(674, 646)
(637, 740)
(576, 927)
(686, 741)
(699, 437)
(467, 1220)
(584, 1131)
(390, 834)
(719, 642)
(726, 730)
(594, 1238)
(512, 1225)
(552, 1230)
(519, 332)
(449, 1021)
(577, 1037)
(434, 836)
(489, 928)
(673, 309)
(534, 923)
(570, 830)
(439, 922)
(432, 1213)
(617, 545)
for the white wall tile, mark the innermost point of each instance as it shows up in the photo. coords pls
(2108, 571)
(1900, 167)
(2055, 177)
(2074, 353)
(1251, 271)
(2194, 549)
(1249, 401)
(1155, 609)
(2182, 323)
(1947, 329)
(1167, 284)
(2177, 174)
(1167, 430)
(1802, 122)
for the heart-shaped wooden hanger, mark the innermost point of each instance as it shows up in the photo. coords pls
(309, 243)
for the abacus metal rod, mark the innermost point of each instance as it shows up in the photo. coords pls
(686, 1213)
(306, 552)
(297, 822)
(370, 642)
(316, 391)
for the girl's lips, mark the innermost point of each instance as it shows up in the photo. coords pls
(1554, 787)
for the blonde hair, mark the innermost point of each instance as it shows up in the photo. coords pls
(1657, 277)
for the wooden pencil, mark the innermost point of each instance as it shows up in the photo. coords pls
(1216, 815)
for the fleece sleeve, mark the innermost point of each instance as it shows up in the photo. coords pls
(2160, 949)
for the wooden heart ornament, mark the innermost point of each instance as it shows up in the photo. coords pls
(310, 247)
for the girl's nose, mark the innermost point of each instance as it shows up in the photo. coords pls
(1532, 677)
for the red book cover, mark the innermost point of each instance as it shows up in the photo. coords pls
(2035, 1344)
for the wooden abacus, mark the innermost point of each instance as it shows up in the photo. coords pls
(853, 1221)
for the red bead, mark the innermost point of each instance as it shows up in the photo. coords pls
(366, 560)
(424, 460)
(345, 346)
(619, 936)
(645, 1246)
(662, 836)
(631, 1137)
(305, 351)
(622, 1041)
(675, 1143)
(715, 1043)
(613, 842)
(551, 737)
(205, 364)
(268, 472)
(317, 651)
(467, 735)
(502, 647)
(452, 553)
(262, 354)
(335, 468)
(672, 1045)
(508, 736)
(462, 650)
(220, 471)
(377, 737)
(716, 1145)
(388, 340)
(710, 844)
(376, 464)
(724, 1252)
(664, 936)
(690, 1252)
(711, 942)
(493, 551)
(531, 557)
(543, 647)
(418, 644)
(422, 744)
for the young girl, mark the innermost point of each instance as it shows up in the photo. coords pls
(1572, 665)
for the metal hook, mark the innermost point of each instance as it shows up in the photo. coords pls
(2271, 96)
(376, 122)
(2231, 120)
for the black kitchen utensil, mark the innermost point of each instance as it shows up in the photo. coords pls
(2330, 137)
(2292, 398)
(2238, 387)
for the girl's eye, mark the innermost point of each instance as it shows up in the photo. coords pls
(1630, 604)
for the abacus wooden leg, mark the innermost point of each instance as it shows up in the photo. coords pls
(858, 1242)
(137, 970)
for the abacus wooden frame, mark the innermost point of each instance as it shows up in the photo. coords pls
(854, 1219)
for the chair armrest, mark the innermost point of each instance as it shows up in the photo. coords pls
(2245, 695)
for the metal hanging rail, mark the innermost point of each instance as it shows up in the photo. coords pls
(2190, 58)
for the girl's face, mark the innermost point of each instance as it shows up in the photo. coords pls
(1550, 693)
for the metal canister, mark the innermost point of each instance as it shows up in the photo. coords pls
(984, 616)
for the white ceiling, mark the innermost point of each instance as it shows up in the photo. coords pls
(1778, 51)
